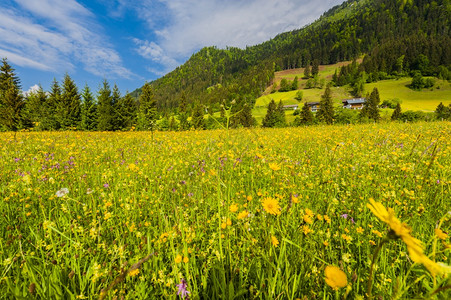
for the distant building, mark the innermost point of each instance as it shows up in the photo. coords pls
(290, 107)
(314, 106)
(356, 103)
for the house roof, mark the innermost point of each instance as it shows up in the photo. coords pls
(312, 103)
(354, 101)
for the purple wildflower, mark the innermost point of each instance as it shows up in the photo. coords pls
(344, 216)
(182, 291)
(106, 185)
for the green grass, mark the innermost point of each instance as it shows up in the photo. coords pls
(426, 100)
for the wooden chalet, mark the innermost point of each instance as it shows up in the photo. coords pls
(356, 103)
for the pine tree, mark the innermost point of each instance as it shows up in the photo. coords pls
(396, 113)
(295, 84)
(69, 108)
(373, 105)
(306, 116)
(307, 70)
(183, 114)
(127, 112)
(11, 99)
(88, 110)
(35, 108)
(315, 67)
(105, 108)
(280, 115)
(271, 115)
(247, 120)
(51, 119)
(326, 108)
(147, 112)
(115, 98)
(440, 111)
(197, 118)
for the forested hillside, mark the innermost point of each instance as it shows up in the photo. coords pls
(396, 35)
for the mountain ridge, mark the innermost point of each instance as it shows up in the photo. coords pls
(354, 28)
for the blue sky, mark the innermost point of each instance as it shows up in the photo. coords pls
(129, 42)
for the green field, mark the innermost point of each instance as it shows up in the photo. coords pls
(425, 100)
(240, 214)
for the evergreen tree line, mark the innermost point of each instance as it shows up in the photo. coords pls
(65, 108)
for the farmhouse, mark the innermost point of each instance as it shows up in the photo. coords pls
(314, 106)
(290, 107)
(356, 103)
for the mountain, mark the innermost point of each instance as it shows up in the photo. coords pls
(415, 33)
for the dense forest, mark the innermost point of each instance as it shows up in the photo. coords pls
(394, 37)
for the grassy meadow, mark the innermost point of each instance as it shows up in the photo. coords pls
(239, 214)
(424, 100)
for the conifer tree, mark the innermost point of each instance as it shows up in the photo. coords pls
(183, 113)
(396, 113)
(440, 111)
(35, 108)
(295, 84)
(315, 67)
(147, 112)
(271, 115)
(307, 70)
(326, 108)
(373, 105)
(115, 98)
(127, 112)
(51, 120)
(306, 116)
(88, 110)
(11, 100)
(280, 115)
(105, 108)
(197, 118)
(69, 108)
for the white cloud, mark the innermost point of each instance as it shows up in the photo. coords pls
(55, 35)
(32, 89)
(189, 25)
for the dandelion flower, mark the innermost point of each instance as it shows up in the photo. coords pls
(274, 241)
(271, 206)
(335, 277)
(185, 259)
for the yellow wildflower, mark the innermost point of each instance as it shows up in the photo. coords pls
(414, 246)
(440, 234)
(178, 259)
(335, 277)
(133, 272)
(243, 214)
(274, 241)
(274, 166)
(185, 259)
(271, 206)
(233, 208)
